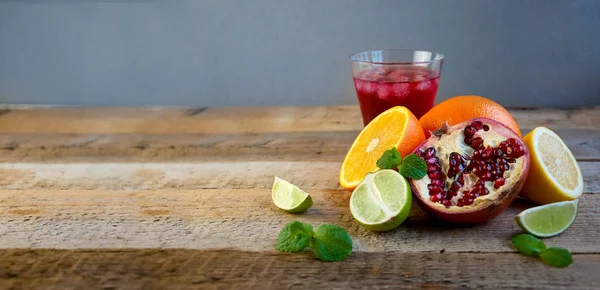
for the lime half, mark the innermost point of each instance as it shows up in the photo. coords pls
(382, 200)
(548, 220)
(289, 197)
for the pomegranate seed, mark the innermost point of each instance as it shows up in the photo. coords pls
(438, 183)
(456, 156)
(435, 190)
(487, 176)
(434, 175)
(477, 154)
(460, 203)
(486, 128)
(488, 167)
(470, 131)
(494, 165)
(488, 153)
(461, 180)
(432, 161)
(500, 166)
(467, 141)
(476, 143)
(515, 151)
(469, 201)
(506, 167)
(510, 160)
(499, 182)
(430, 152)
(499, 152)
(447, 203)
(434, 198)
(477, 125)
(433, 168)
(511, 141)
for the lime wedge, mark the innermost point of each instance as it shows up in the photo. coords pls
(548, 220)
(382, 200)
(289, 197)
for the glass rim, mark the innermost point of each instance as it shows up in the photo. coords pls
(438, 57)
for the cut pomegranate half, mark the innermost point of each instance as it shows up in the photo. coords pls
(474, 170)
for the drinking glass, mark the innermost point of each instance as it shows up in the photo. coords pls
(395, 77)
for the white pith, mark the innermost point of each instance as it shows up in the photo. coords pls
(372, 145)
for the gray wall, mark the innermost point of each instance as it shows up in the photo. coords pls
(278, 52)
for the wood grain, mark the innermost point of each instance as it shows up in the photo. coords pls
(181, 120)
(205, 175)
(295, 146)
(241, 218)
(189, 269)
(144, 198)
(165, 120)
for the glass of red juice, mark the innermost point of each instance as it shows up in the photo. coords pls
(389, 78)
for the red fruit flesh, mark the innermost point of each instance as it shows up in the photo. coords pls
(474, 170)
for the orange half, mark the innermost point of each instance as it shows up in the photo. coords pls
(396, 127)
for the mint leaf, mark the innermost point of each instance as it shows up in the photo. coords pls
(557, 257)
(390, 159)
(528, 244)
(294, 237)
(331, 243)
(413, 167)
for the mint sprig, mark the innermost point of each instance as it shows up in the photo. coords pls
(532, 246)
(294, 237)
(330, 243)
(557, 257)
(390, 159)
(412, 166)
(528, 245)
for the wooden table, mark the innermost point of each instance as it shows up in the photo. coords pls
(171, 197)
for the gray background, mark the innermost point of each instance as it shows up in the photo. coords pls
(278, 52)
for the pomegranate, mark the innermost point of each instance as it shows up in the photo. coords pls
(474, 170)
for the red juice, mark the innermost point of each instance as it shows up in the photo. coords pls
(381, 88)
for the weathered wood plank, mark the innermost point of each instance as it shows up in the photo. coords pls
(240, 218)
(177, 176)
(180, 120)
(235, 119)
(299, 146)
(183, 269)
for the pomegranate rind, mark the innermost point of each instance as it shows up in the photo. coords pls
(486, 208)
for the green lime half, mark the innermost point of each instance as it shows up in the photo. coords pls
(381, 202)
(548, 220)
(289, 197)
